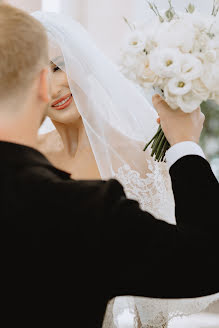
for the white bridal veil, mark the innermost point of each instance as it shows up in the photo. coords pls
(118, 122)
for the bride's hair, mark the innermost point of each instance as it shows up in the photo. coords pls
(23, 50)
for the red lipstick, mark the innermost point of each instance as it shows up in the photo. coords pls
(65, 104)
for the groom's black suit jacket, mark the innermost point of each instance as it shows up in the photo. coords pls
(67, 246)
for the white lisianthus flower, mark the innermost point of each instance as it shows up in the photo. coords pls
(210, 76)
(176, 34)
(179, 86)
(170, 98)
(150, 36)
(191, 67)
(136, 42)
(200, 90)
(200, 22)
(189, 102)
(201, 43)
(165, 63)
(214, 42)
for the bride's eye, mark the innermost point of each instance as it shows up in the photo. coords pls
(56, 68)
(60, 67)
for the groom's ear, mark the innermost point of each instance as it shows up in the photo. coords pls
(44, 86)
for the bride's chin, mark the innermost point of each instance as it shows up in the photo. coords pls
(65, 117)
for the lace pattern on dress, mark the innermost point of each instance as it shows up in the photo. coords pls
(154, 194)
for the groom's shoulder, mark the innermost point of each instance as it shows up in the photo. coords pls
(57, 184)
(187, 165)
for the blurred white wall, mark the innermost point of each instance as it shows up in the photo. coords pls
(103, 19)
(27, 5)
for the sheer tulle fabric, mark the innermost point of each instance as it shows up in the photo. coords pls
(118, 121)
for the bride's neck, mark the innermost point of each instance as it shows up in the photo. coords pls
(73, 136)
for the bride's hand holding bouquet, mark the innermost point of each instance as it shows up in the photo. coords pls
(177, 125)
(176, 53)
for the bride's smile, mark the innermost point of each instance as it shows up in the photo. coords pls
(63, 102)
(62, 108)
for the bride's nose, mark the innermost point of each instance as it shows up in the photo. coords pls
(56, 90)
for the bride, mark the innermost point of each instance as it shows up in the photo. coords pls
(101, 125)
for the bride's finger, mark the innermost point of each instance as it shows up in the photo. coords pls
(158, 120)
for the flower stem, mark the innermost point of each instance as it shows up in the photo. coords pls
(153, 139)
(157, 142)
(166, 147)
(160, 147)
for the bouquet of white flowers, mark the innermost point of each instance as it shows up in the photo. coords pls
(178, 53)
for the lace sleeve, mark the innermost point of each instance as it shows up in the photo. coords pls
(153, 191)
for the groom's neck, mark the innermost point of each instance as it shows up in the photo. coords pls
(18, 126)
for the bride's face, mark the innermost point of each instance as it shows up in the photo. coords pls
(62, 107)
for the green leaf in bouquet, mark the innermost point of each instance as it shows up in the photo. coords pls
(215, 8)
(151, 6)
(154, 8)
(191, 8)
(169, 15)
(211, 35)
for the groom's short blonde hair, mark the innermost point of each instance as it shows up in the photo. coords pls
(23, 51)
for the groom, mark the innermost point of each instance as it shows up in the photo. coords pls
(68, 247)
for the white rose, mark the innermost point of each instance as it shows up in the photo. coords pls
(200, 90)
(189, 102)
(211, 56)
(179, 86)
(214, 96)
(147, 75)
(191, 67)
(165, 63)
